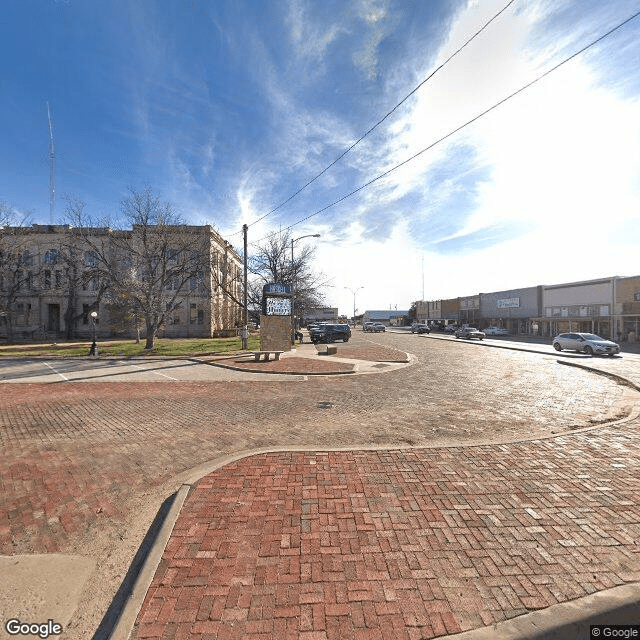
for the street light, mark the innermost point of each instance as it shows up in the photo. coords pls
(94, 345)
(293, 285)
(354, 291)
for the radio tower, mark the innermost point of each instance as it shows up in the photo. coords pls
(52, 171)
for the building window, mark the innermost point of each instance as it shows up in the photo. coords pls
(47, 279)
(196, 316)
(58, 279)
(90, 258)
(27, 258)
(52, 256)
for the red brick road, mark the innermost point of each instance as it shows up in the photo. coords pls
(86, 466)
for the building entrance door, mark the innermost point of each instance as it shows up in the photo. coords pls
(53, 323)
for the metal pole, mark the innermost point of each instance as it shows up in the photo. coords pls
(293, 298)
(246, 310)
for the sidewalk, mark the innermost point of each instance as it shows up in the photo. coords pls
(401, 544)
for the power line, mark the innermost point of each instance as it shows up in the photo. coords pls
(466, 124)
(377, 124)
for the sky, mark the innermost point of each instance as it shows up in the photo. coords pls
(226, 109)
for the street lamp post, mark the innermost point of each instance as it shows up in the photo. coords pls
(293, 285)
(354, 291)
(94, 345)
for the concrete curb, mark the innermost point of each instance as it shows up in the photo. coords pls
(129, 613)
(282, 373)
(481, 343)
(614, 376)
(567, 620)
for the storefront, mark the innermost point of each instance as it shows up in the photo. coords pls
(578, 306)
(627, 309)
(470, 310)
(515, 310)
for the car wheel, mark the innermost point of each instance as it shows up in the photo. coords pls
(346, 340)
(588, 350)
(557, 347)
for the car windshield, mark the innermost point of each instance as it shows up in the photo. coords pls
(591, 336)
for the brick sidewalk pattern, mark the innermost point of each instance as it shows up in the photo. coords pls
(371, 352)
(397, 544)
(84, 467)
(76, 457)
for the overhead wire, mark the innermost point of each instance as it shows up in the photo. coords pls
(379, 122)
(462, 126)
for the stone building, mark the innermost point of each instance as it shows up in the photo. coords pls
(50, 282)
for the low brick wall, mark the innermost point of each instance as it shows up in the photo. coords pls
(275, 333)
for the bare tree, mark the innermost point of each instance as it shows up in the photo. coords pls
(17, 265)
(158, 262)
(271, 262)
(84, 253)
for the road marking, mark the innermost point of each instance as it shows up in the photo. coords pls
(54, 371)
(147, 370)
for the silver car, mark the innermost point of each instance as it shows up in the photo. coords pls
(588, 343)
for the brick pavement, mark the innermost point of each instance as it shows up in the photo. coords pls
(295, 365)
(398, 544)
(86, 466)
(68, 447)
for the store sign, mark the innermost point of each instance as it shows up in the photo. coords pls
(508, 303)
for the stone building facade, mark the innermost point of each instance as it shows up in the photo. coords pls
(47, 290)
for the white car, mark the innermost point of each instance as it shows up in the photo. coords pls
(588, 343)
(496, 331)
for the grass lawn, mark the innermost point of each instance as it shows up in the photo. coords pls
(164, 347)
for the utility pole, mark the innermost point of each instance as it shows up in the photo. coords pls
(245, 328)
(52, 171)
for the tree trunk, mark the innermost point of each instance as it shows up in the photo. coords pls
(151, 336)
(69, 317)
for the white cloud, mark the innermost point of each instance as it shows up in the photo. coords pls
(310, 39)
(560, 165)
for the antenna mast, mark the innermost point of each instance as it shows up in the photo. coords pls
(52, 171)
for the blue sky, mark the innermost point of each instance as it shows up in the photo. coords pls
(227, 108)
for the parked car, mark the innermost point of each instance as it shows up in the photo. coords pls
(367, 326)
(588, 343)
(330, 333)
(450, 328)
(420, 327)
(469, 333)
(378, 327)
(495, 331)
